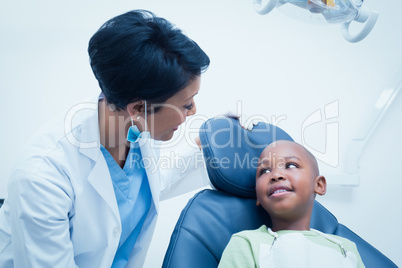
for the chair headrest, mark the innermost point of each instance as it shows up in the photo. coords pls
(231, 153)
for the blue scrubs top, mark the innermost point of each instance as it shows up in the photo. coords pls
(133, 197)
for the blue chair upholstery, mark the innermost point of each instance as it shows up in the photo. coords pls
(212, 216)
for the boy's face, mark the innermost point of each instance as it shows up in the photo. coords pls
(287, 180)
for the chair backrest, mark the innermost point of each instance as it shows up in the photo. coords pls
(212, 216)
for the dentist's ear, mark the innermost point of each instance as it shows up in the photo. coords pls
(136, 109)
(320, 185)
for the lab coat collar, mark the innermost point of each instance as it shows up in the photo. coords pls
(101, 181)
(89, 143)
(87, 138)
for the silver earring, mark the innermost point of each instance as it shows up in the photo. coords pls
(138, 117)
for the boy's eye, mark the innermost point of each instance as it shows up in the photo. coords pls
(291, 165)
(265, 170)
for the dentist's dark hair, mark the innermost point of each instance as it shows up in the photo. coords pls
(139, 56)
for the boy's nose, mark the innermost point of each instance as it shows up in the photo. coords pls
(277, 176)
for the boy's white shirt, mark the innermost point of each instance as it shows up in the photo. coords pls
(295, 250)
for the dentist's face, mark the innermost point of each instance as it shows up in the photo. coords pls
(163, 123)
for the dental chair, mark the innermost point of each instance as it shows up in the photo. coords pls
(211, 217)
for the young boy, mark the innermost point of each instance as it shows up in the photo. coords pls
(287, 182)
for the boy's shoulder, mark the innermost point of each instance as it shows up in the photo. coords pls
(261, 234)
(348, 244)
(262, 229)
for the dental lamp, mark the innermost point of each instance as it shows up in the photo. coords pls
(330, 11)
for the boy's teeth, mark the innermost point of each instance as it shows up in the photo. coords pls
(280, 191)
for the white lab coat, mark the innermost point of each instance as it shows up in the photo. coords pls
(61, 209)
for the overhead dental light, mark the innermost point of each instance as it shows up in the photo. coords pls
(330, 11)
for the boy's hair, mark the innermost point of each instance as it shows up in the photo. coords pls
(311, 157)
(139, 56)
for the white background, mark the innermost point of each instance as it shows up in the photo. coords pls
(273, 65)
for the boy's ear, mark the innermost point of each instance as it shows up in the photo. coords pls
(258, 203)
(320, 185)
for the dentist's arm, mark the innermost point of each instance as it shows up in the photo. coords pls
(39, 213)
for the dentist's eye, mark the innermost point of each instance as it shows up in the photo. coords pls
(189, 106)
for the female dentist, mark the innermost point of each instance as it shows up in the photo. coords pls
(86, 193)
